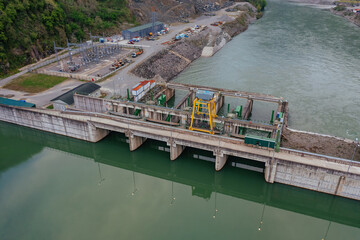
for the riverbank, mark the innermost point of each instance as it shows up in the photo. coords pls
(343, 9)
(347, 13)
(168, 63)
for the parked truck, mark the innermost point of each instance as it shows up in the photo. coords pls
(139, 52)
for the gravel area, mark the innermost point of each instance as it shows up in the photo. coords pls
(321, 144)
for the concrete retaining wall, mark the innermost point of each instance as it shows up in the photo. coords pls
(214, 46)
(68, 75)
(90, 104)
(50, 123)
(318, 179)
(319, 173)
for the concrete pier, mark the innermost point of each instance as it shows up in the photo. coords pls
(189, 97)
(220, 160)
(270, 170)
(168, 92)
(248, 109)
(93, 118)
(134, 141)
(175, 150)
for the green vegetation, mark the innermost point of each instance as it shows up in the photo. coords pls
(259, 4)
(50, 106)
(241, 19)
(29, 27)
(8, 74)
(34, 83)
(340, 8)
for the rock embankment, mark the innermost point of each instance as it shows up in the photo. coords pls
(169, 62)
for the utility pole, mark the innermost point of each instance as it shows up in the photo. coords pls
(56, 52)
(96, 49)
(68, 46)
(81, 49)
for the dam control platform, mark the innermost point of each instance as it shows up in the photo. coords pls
(228, 128)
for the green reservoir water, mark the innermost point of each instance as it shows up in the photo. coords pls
(54, 187)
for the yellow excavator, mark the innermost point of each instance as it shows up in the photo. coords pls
(204, 104)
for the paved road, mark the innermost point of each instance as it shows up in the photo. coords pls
(123, 79)
(42, 98)
(4, 81)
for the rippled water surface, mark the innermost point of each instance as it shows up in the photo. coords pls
(54, 187)
(306, 55)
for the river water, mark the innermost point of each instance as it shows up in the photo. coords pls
(54, 187)
(306, 55)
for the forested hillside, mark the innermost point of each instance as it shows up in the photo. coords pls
(29, 27)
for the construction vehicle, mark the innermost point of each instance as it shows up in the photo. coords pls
(117, 64)
(217, 24)
(204, 105)
(139, 52)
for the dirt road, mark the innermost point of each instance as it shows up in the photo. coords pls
(125, 79)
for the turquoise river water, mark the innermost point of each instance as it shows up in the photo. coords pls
(54, 187)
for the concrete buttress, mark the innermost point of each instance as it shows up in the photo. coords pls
(270, 170)
(96, 134)
(135, 142)
(220, 161)
(175, 150)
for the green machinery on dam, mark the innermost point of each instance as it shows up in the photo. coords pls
(93, 118)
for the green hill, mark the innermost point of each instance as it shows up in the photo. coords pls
(29, 27)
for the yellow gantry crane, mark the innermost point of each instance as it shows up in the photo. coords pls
(204, 104)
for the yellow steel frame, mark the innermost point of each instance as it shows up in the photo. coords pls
(198, 106)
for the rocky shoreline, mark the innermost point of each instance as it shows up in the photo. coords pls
(168, 63)
(348, 14)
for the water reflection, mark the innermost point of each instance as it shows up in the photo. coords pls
(200, 176)
(100, 175)
(135, 189)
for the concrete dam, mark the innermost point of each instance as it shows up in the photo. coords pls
(92, 118)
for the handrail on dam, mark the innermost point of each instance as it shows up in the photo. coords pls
(174, 129)
(291, 151)
(320, 155)
(317, 172)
